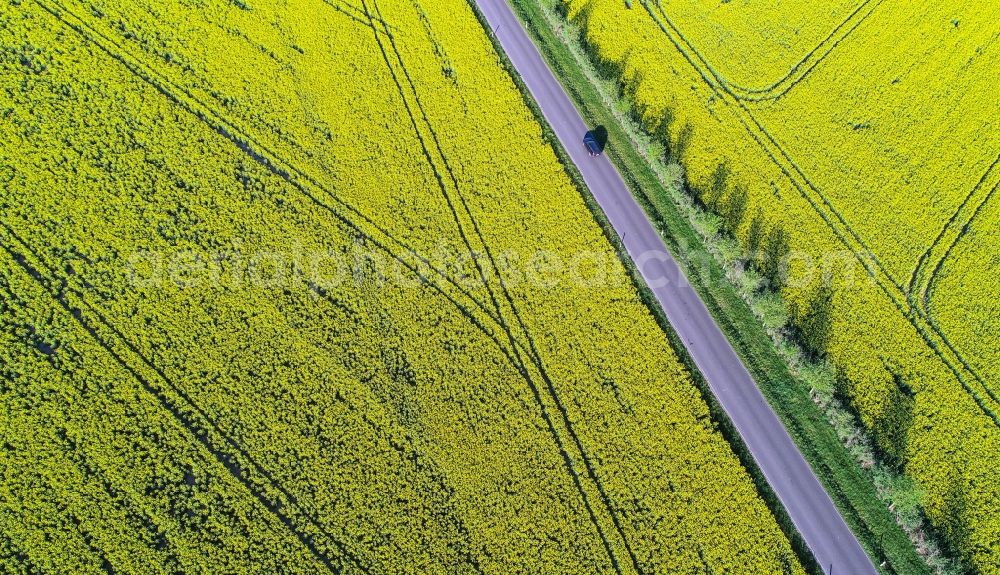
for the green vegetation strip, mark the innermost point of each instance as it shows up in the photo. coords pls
(852, 492)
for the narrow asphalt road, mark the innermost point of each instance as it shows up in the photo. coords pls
(810, 508)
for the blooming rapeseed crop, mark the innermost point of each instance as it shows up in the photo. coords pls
(862, 136)
(186, 387)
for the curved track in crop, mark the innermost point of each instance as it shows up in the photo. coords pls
(926, 272)
(971, 381)
(804, 67)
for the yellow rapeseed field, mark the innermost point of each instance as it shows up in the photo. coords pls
(864, 137)
(239, 333)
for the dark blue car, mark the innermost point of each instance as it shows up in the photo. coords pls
(593, 146)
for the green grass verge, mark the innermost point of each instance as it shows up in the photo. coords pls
(852, 491)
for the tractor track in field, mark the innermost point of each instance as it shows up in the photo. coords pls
(92, 471)
(804, 66)
(534, 357)
(188, 413)
(367, 229)
(125, 503)
(82, 462)
(347, 223)
(935, 275)
(284, 169)
(926, 297)
(926, 272)
(406, 452)
(770, 146)
(363, 226)
(893, 289)
(357, 14)
(928, 269)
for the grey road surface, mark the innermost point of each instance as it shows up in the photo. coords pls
(810, 508)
